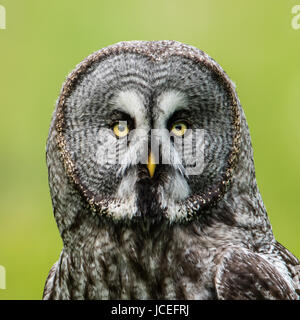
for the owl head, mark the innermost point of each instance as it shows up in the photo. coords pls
(146, 130)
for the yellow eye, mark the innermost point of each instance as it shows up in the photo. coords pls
(179, 128)
(121, 129)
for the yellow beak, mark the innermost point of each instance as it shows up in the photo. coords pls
(151, 164)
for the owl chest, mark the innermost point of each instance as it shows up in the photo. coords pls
(182, 274)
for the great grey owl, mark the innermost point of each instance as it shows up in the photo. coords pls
(153, 184)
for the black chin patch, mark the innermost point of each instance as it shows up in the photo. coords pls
(147, 201)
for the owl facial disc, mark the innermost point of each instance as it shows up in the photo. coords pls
(118, 99)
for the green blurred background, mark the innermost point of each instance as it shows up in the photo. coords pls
(44, 40)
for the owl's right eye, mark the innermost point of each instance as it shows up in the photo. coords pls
(121, 129)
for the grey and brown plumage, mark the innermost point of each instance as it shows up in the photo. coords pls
(131, 234)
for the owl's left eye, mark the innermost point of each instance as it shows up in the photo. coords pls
(121, 129)
(179, 128)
